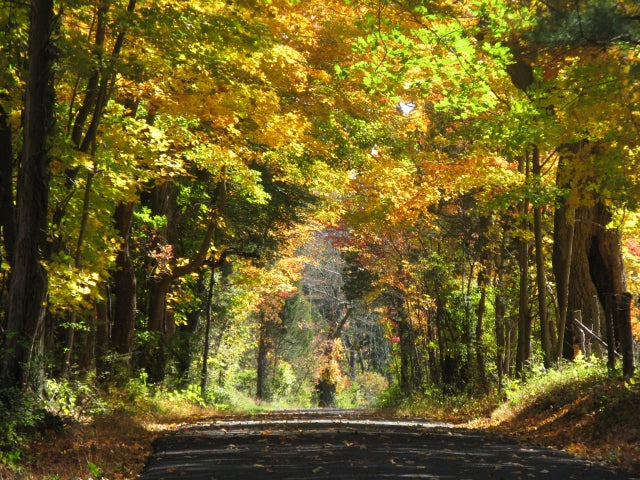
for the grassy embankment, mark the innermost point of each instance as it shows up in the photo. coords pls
(579, 408)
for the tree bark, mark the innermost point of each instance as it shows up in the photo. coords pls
(500, 311)
(626, 334)
(7, 211)
(103, 332)
(27, 293)
(160, 325)
(204, 375)
(263, 349)
(479, 345)
(541, 276)
(596, 266)
(124, 279)
(523, 351)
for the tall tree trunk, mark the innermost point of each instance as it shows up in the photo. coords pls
(160, 325)
(23, 354)
(623, 320)
(7, 211)
(103, 332)
(541, 276)
(596, 266)
(124, 279)
(479, 345)
(204, 375)
(263, 350)
(523, 351)
(500, 311)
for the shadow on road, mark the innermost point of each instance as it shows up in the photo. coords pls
(351, 444)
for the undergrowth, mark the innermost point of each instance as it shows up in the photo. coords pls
(578, 406)
(81, 431)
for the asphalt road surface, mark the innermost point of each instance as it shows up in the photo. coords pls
(343, 444)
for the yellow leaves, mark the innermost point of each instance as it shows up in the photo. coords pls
(284, 68)
(71, 288)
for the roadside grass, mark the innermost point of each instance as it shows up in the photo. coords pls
(579, 407)
(109, 435)
(112, 442)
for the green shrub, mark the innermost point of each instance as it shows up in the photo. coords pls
(22, 417)
(366, 391)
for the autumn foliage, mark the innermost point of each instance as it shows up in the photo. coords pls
(273, 199)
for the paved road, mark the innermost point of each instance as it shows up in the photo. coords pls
(338, 444)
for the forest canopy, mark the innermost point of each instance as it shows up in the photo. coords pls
(298, 199)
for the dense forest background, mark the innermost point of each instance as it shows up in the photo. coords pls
(316, 201)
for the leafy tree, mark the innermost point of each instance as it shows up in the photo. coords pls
(22, 359)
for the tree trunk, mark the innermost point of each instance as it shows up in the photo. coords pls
(103, 332)
(160, 324)
(596, 267)
(500, 310)
(153, 359)
(124, 279)
(204, 376)
(86, 341)
(23, 354)
(623, 318)
(7, 211)
(523, 351)
(541, 276)
(479, 345)
(263, 349)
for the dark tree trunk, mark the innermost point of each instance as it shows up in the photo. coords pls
(405, 355)
(623, 318)
(103, 333)
(183, 342)
(154, 359)
(541, 275)
(327, 392)
(263, 349)
(7, 212)
(23, 354)
(160, 323)
(124, 278)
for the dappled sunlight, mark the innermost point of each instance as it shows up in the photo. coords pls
(343, 444)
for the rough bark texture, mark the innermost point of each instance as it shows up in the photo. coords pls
(597, 279)
(27, 292)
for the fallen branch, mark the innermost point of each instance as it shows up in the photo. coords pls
(593, 335)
